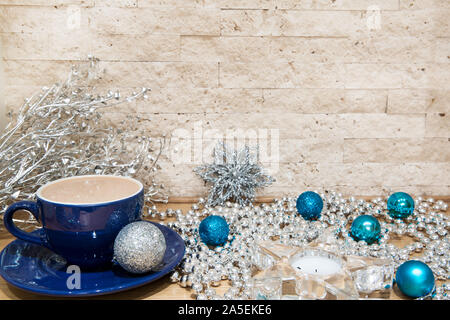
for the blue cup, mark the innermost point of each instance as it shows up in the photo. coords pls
(82, 233)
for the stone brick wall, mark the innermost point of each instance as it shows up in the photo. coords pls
(353, 95)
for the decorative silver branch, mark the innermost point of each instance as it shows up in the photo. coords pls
(61, 131)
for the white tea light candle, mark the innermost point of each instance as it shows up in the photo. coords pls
(316, 264)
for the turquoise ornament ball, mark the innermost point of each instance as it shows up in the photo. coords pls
(415, 279)
(400, 205)
(309, 205)
(366, 228)
(214, 230)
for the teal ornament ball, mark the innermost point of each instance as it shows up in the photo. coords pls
(214, 230)
(400, 205)
(415, 279)
(309, 205)
(366, 228)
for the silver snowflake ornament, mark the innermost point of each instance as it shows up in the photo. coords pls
(234, 176)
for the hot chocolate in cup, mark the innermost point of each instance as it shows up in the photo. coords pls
(81, 216)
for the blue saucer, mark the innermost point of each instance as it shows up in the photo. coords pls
(34, 268)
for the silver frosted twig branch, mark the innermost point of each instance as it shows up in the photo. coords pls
(62, 131)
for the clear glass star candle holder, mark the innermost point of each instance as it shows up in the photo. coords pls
(312, 272)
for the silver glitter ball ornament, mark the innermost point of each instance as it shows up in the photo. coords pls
(139, 247)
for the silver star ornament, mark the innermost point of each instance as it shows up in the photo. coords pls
(234, 176)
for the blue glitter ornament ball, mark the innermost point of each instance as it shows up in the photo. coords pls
(415, 279)
(366, 228)
(309, 205)
(400, 205)
(214, 230)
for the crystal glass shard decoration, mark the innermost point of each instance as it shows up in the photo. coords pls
(374, 280)
(267, 287)
(262, 260)
(316, 273)
(266, 253)
(341, 287)
(310, 288)
(369, 279)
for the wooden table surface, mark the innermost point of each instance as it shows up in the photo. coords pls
(161, 289)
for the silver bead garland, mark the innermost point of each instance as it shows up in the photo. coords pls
(203, 268)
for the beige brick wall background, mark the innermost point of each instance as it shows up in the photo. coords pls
(358, 89)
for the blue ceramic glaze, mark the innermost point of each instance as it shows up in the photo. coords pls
(37, 269)
(83, 234)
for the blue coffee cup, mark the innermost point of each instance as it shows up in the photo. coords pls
(82, 233)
